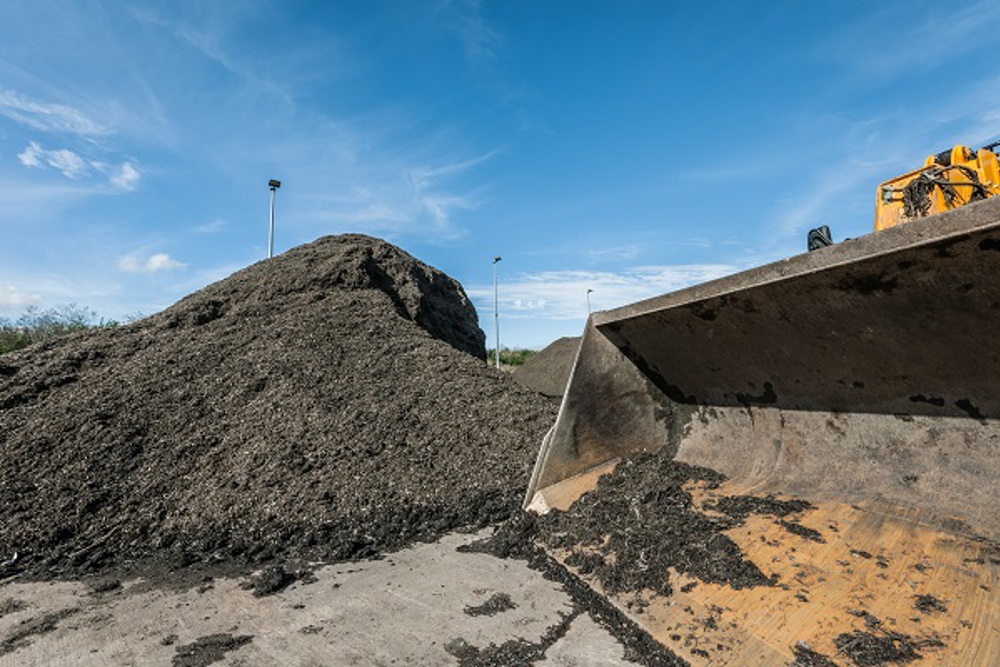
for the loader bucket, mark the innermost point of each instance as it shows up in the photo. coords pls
(863, 378)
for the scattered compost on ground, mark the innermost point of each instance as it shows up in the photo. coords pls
(328, 404)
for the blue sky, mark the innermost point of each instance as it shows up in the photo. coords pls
(629, 148)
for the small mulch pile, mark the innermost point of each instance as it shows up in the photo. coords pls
(330, 403)
(547, 372)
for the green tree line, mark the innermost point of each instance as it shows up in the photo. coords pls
(37, 324)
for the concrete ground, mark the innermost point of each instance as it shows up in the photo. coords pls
(413, 608)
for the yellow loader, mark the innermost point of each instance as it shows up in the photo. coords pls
(861, 381)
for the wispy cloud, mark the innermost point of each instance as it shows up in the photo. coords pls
(123, 176)
(479, 39)
(48, 116)
(562, 295)
(885, 46)
(213, 226)
(136, 263)
(211, 45)
(389, 194)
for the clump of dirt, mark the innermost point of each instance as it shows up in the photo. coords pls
(327, 404)
(498, 602)
(547, 372)
(513, 652)
(272, 579)
(209, 649)
(796, 528)
(806, 657)
(11, 605)
(927, 603)
(741, 507)
(866, 649)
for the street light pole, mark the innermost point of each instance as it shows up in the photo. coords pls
(588, 301)
(274, 185)
(496, 309)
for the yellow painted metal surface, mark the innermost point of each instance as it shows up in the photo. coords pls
(968, 175)
(875, 565)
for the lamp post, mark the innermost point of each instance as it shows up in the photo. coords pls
(496, 309)
(274, 185)
(588, 301)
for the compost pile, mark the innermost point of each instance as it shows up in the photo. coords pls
(326, 404)
(547, 372)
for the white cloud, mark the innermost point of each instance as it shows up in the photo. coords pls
(134, 263)
(31, 156)
(73, 166)
(69, 163)
(48, 116)
(562, 295)
(125, 177)
(12, 298)
(63, 160)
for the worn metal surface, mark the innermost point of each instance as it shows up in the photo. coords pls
(864, 378)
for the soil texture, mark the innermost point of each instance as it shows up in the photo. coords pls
(328, 404)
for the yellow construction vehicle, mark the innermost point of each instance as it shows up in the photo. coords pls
(863, 379)
(946, 181)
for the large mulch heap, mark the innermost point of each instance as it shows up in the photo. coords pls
(547, 372)
(326, 404)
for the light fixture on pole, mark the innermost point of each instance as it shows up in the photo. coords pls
(274, 185)
(588, 301)
(496, 309)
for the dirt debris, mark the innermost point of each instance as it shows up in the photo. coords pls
(11, 605)
(807, 657)
(866, 649)
(498, 602)
(327, 404)
(926, 604)
(518, 651)
(22, 633)
(516, 538)
(208, 650)
(272, 579)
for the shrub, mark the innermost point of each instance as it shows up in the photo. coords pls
(35, 325)
(509, 357)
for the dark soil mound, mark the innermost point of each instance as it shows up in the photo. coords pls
(548, 371)
(313, 405)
